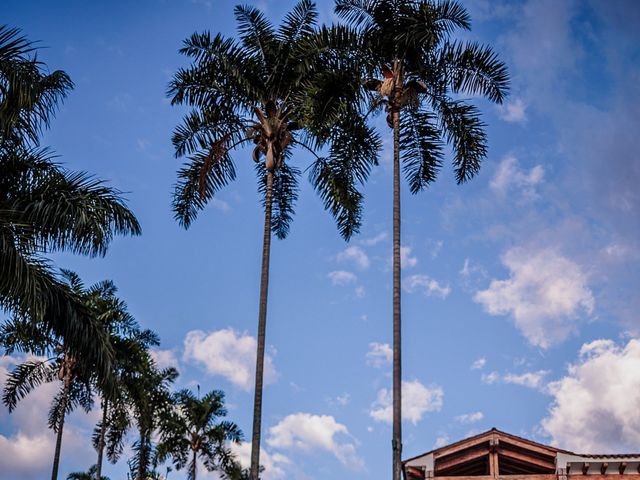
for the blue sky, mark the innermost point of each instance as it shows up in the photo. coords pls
(520, 288)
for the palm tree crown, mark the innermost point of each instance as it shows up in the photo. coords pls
(275, 89)
(193, 430)
(416, 71)
(44, 207)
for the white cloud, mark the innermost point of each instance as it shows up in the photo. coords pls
(360, 291)
(342, 399)
(595, 406)
(426, 284)
(406, 260)
(220, 205)
(468, 418)
(355, 255)
(479, 363)
(545, 293)
(308, 432)
(26, 444)
(513, 111)
(371, 241)
(490, 378)
(229, 354)
(534, 380)
(341, 277)
(509, 176)
(416, 401)
(379, 354)
(441, 441)
(274, 463)
(164, 358)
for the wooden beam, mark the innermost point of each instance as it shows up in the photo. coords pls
(537, 476)
(527, 459)
(598, 476)
(461, 446)
(622, 467)
(603, 468)
(527, 446)
(465, 477)
(585, 468)
(494, 468)
(445, 463)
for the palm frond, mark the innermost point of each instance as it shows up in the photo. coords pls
(421, 147)
(256, 32)
(24, 378)
(475, 69)
(200, 179)
(465, 131)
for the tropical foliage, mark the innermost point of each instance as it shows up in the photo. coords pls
(44, 207)
(273, 88)
(417, 73)
(194, 431)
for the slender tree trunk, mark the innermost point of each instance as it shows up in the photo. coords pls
(103, 429)
(262, 325)
(397, 344)
(193, 467)
(63, 410)
(142, 460)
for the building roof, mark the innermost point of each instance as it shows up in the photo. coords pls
(496, 453)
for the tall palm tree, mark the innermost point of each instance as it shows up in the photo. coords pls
(194, 431)
(57, 365)
(275, 89)
(130, 345)
(423, 70)
(147, 390)
(44, 207)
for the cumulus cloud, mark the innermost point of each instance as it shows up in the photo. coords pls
(479, 363)
(509, 176)
(164, 358)
(379, 354)
(417, 400)
(595, 406)
(274, 463)
(426, 285)
(341, 277)
(513, 111)
(308, 432)
(26, 444)
(545, 294)
(468, 418)
(229, 354)
(355, 255)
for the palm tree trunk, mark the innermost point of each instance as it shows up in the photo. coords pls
(262, 325)
(193, 467)
(63, 410)
(103, 429)
(142, 456)
(396, 441)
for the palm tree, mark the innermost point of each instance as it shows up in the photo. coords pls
(193, 431)
(277, 90)
(44, 207)
(147, 391)
(130, 346)
(57, 365)
(410, 43)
